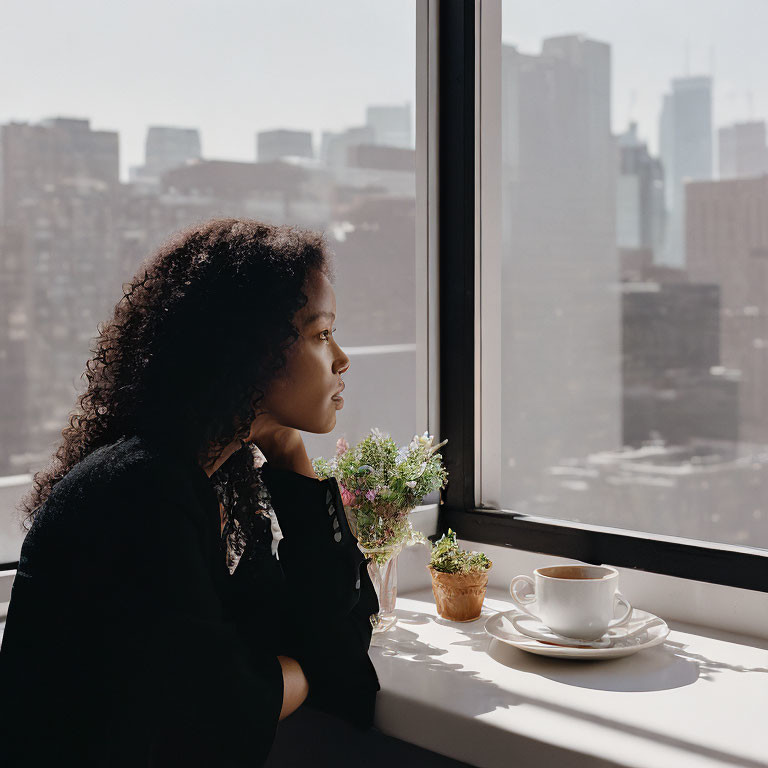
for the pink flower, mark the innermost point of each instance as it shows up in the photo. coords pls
(342, 446)
(347, 498)
(370, 495)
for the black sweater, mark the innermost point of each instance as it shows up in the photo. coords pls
(128, 642)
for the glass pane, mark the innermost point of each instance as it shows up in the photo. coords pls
(117, 132)
(635, 265)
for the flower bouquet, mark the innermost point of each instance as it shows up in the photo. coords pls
(380, 484)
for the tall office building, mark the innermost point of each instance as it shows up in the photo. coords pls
(685, 141)
(674, 386)
(335, 147)
(391, 125)
(54, 151)
(742, 150)
(168, 147)
(561, 319)
(59, 183)
(376, 156)
(14, 336)
(639, 194)
(277, 144)
(280, 193)
(165, 148)
(727, 244)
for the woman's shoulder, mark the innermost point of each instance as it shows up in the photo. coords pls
(101, 503)
(127, 460)
(128, 470)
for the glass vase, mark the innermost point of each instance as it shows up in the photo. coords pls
(382, 569)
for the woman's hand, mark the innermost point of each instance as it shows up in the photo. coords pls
(282, 446)
(295, 686)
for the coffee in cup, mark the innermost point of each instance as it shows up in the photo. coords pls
(576, 601)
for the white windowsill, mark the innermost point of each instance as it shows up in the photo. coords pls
(697, 701)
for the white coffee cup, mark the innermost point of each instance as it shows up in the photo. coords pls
(576, 601)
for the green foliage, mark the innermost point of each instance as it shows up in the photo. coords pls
(448, 557)
(380, 484)
(322, 468)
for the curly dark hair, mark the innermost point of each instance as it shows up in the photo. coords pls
(201, 330)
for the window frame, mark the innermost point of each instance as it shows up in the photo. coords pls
(468, 43)
(458, 123)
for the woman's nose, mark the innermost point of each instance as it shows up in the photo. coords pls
(344, 366)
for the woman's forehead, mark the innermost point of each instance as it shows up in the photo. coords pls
(321, 300)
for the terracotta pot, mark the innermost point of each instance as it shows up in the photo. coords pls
(459, 596)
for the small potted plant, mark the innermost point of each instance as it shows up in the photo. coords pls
(459, 579)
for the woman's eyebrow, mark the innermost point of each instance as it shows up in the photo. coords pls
(318, 315)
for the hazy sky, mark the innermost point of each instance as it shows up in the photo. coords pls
(229, 67)
(233, 67)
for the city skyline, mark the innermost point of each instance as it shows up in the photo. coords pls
(372, 44)
(653, 43)
(229, 69)
(607, 350)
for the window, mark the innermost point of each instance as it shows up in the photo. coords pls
(117, 132)
(615, 412)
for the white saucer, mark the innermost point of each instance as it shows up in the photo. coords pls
(534, 628)
(500, 627)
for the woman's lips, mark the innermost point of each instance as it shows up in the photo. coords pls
(337, 397)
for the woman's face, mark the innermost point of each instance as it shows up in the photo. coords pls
(301, 397)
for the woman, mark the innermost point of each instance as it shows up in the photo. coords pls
(176, 596)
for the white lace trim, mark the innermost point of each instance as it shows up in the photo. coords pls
(236, 541)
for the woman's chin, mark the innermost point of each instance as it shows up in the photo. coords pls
(322, 429)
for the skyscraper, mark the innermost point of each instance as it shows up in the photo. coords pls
(742, 150)
(14, 338)
(727, 244)
(685, 140)
(334, 147)
(391, 125)
(167, 147)
(51, 152)
(674, 386)
(561, 321)
(639, 195)
(277, 144)
(59, 182)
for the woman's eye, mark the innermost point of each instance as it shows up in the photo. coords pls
(326, 337)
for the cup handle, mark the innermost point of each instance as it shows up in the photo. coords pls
(627, 613)
(522, 602)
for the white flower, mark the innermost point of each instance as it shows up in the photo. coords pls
(411, 483)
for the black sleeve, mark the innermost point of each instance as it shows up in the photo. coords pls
(327, 574)
(213, 694)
